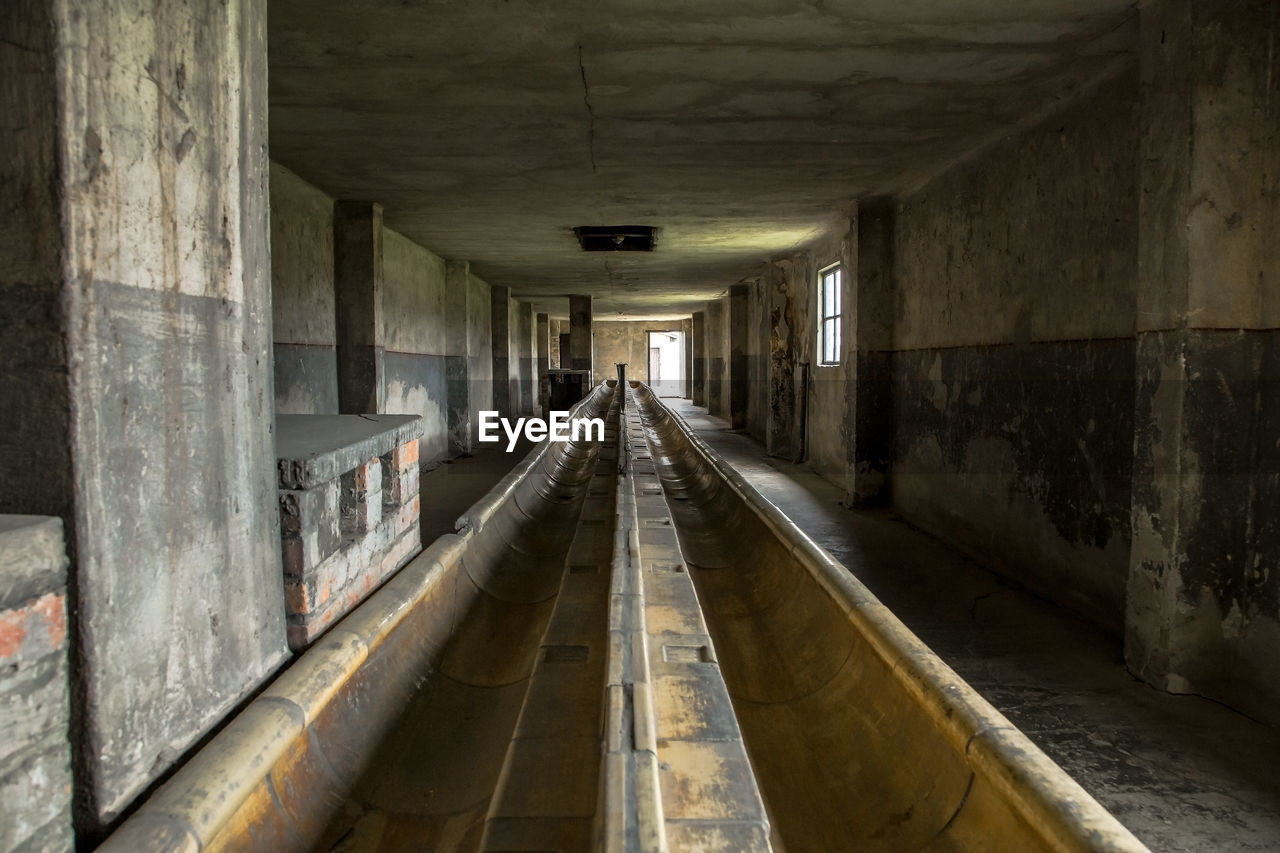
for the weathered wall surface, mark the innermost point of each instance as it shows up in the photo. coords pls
(304, 338)
(1012, 370)
(626, 342)
(825, 417)
(413, 318)
(168, 330)
(1204, 590)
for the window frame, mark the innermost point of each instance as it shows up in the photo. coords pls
(827, 320)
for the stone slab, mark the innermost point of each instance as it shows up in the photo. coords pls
(312, 449)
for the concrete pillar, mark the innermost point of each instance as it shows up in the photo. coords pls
(686, 328)
(869, 312)
(717, 347)
(699, 359)
(782, 419)
(136, 394)
(543, 335)
(500, 329)
(458, 356)
(1203, 596)
(580, 341)
(739, 380)
(357, 282)
(525, 350)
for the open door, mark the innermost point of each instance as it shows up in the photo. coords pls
(666, 363)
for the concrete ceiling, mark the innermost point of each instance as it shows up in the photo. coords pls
(741, 128)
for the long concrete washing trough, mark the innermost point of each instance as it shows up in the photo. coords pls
(623, 647)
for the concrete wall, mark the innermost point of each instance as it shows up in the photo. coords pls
(625, 342)
(303, 334)
(1012, 363)
(825, 430)
(413, 318)
(411, 337)
(156, 319)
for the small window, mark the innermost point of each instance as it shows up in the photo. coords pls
(829, 314)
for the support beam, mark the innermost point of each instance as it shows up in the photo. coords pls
(136, 378)
(543, 335)
(699, 360)
(686, 327)
(524, 352)
(739, 382)
(357, 258)
(458, 359)
(869, 316)
(580, 342)
(500, 329)
(1202, 604)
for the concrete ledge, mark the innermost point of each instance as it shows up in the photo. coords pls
(312, 449)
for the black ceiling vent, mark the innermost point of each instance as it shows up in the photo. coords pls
(615, 238)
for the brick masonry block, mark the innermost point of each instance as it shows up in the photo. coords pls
(400, 474)
(362, 498)
(310, 526)
(33, 630)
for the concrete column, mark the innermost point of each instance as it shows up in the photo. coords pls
(1203, 596)
(686, 327)
(500, 329)
(699, 359)
(458, 356)
(580, 341)
(869, 311)
(525, 350)
(543, 335)
(781, 420)
(739, 381)
(136, 390)
(717, 347)
(357, 272)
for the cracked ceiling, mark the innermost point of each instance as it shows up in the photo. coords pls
(743, 130)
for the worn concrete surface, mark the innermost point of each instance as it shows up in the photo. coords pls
(166, 400)
(1011, 365)
(740, 129)
(1183, 773)
(302, 309)
(413, 333)
(1204, 591)
(625, 342)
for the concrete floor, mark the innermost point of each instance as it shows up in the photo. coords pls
(1183, 773)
